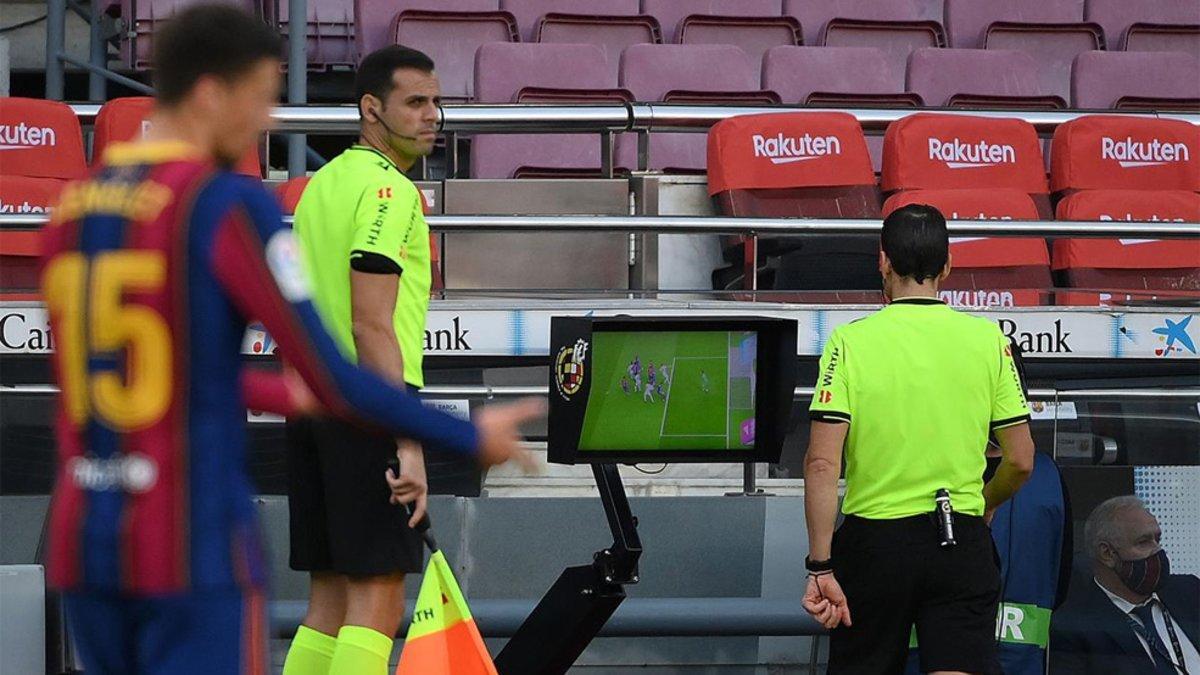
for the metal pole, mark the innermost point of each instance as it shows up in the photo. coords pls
(98, 56)
(56, 17)
(749, 486)
(606, 154)
(297, 79)
(107, 74)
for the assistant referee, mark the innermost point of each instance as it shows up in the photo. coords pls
(365, 245)
(910, 394)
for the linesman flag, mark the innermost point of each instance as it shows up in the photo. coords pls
(443, 638)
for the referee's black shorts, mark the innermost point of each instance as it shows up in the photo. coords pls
(340, 519)
(896, 576)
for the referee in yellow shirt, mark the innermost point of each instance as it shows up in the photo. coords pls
(365, 245)
(910, 395)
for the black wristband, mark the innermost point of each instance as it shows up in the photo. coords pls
(818, 565)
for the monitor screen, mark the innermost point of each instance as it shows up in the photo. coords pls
(671, 390)
(646, 389)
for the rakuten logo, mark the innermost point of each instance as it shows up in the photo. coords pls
(782, 149)
(959, 155)
(1131, 154)
(1128, 218)
(20, 207)
(977, 299)
(21, 136)
(955, 215)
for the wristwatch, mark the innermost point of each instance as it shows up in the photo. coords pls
(818, 565)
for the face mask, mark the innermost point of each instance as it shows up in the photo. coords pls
(1147, 575)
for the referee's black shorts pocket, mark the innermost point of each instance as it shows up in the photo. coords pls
(368, 535)
(956, 617)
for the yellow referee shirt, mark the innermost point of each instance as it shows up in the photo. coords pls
(921, 385)
(359, 211)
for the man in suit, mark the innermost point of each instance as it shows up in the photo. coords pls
(1132, 617)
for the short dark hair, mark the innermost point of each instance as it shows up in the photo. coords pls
(374, 74)
(916, 241)
(208, 39)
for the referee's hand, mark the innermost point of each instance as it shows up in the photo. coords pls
(411, 486)
(499, 428)
(826, 602)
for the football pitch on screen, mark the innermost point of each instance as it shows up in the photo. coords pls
(697, 407)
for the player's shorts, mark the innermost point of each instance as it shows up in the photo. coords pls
(198, 633)
(340, 518)
(895, 575)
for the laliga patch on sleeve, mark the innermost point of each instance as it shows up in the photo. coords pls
(283, 258)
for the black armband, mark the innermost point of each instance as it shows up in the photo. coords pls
(373, 263)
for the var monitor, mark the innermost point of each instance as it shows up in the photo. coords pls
(656, 389)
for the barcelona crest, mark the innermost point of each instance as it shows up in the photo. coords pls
(569, 369)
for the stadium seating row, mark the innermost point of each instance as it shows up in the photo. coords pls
(340, 31)
(828, 76)
(892, 26)
(1104, 168)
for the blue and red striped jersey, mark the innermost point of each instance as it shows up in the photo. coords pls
(151, 270)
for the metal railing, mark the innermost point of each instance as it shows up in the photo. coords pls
(637, 117)
(636, 617)
(606, 120)
(755, 226)
(801, 393)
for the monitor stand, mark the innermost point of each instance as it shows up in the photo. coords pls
(583, 598)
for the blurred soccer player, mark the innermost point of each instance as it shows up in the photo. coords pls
(705, 384)
(151, 270)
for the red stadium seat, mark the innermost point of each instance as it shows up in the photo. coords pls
(21, 194)
(40, 139)
(1099, 152)
(955, 152)
(125, 119)
(800, 164)
(288, 192)
(610, 33)
(19, 254)
(752, 34)
(1130, 264)
(1015, 269)
(791, 164)
(451, 39)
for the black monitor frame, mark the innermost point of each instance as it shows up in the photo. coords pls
(774, 390)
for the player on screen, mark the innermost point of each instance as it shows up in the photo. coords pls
(151, 270)
(664, 375)
(648, 394)
(635, 372)
(705, 384)
(650, 377)
(625, 385)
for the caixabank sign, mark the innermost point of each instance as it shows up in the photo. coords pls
(493, 331)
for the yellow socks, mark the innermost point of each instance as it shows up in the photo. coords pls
(310, 654)
(360, 651)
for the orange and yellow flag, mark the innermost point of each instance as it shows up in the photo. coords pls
(443, 638)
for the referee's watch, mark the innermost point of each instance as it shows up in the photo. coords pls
(818, 565)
